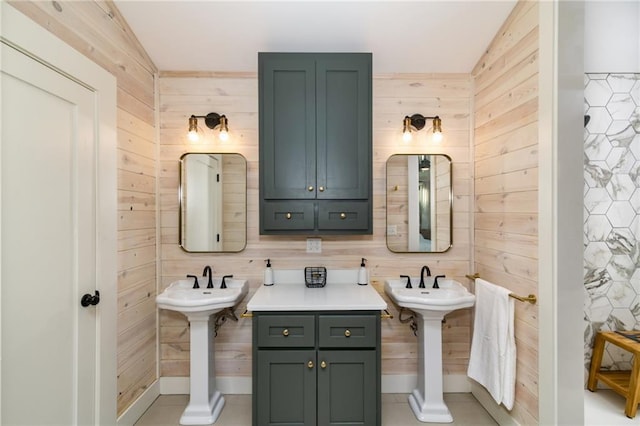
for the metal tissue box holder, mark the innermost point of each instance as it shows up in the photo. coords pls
(315, 276)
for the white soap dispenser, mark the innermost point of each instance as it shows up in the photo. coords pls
(362, 273)
(268, 273)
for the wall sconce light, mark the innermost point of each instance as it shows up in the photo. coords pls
(212, 120)
(417, 122)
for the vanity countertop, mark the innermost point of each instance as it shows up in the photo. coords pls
(341, 293)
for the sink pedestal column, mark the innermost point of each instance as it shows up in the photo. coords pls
(426, 400)
(205, 401)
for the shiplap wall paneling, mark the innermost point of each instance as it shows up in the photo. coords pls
(506, 183)
(236, 96)
(98, 31)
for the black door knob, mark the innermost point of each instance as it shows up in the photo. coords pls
(88, 299)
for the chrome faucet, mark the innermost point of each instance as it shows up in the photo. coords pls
(424, 268)
(208, 272)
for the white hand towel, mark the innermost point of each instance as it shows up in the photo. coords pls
(493, 347)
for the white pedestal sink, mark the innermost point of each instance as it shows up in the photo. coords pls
(431, 305)
(199, 305)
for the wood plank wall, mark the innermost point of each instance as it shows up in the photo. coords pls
(97, 30)
(442, 208)
(506, 183)
(236, 95)
(397, 201)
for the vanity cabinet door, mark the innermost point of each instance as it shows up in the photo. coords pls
(286, 388)
(347, 387)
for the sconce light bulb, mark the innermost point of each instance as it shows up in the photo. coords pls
(224, 128)
(406, 129)
(193, 129)
(437, 129)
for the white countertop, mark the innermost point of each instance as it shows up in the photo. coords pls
(341, 293)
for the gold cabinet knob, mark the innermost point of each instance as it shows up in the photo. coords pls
(310, 188)
(321, 189)
(288, 215)
(323, 364)
(347, 333)
(285, 332)
(310, 364)
(343, 215)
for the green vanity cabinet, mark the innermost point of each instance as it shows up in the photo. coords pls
(316, 368)
(315, 143)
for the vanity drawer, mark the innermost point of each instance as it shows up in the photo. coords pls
(343, 215)
(347, 331)
(288, 215)
(286, 331)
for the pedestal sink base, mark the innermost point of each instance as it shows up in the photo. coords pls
(199, 414)
(205, 401)
(426, 400)
(432, 411)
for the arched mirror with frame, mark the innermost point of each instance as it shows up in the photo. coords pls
(419, 203)
(212, 202)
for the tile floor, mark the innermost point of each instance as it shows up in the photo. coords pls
(602, 408)
(606, 408)
(166, 411)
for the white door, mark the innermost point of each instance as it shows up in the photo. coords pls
(50, 344)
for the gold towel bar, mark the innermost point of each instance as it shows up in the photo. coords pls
(246, 314)
(530, 298)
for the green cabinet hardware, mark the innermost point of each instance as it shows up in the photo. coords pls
(330, 375)
(315, 143)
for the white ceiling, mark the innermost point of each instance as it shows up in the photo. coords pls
(446, 36)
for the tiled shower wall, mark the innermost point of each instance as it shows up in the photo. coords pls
(611, 210)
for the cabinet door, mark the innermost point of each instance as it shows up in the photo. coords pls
(347, 388)
(287, 126)
(343, 126)
(286, 389)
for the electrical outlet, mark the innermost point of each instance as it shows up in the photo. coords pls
(314, 245)
(392, 230)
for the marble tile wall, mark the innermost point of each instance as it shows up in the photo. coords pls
(611, 210)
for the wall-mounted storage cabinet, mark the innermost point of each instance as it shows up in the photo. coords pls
(315, 143)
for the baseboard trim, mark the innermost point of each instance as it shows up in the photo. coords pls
(226, 385)
(132, 414)
(498, 412)
(406, 383)
(452, 383)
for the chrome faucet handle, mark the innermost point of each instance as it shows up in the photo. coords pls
(408, 280)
